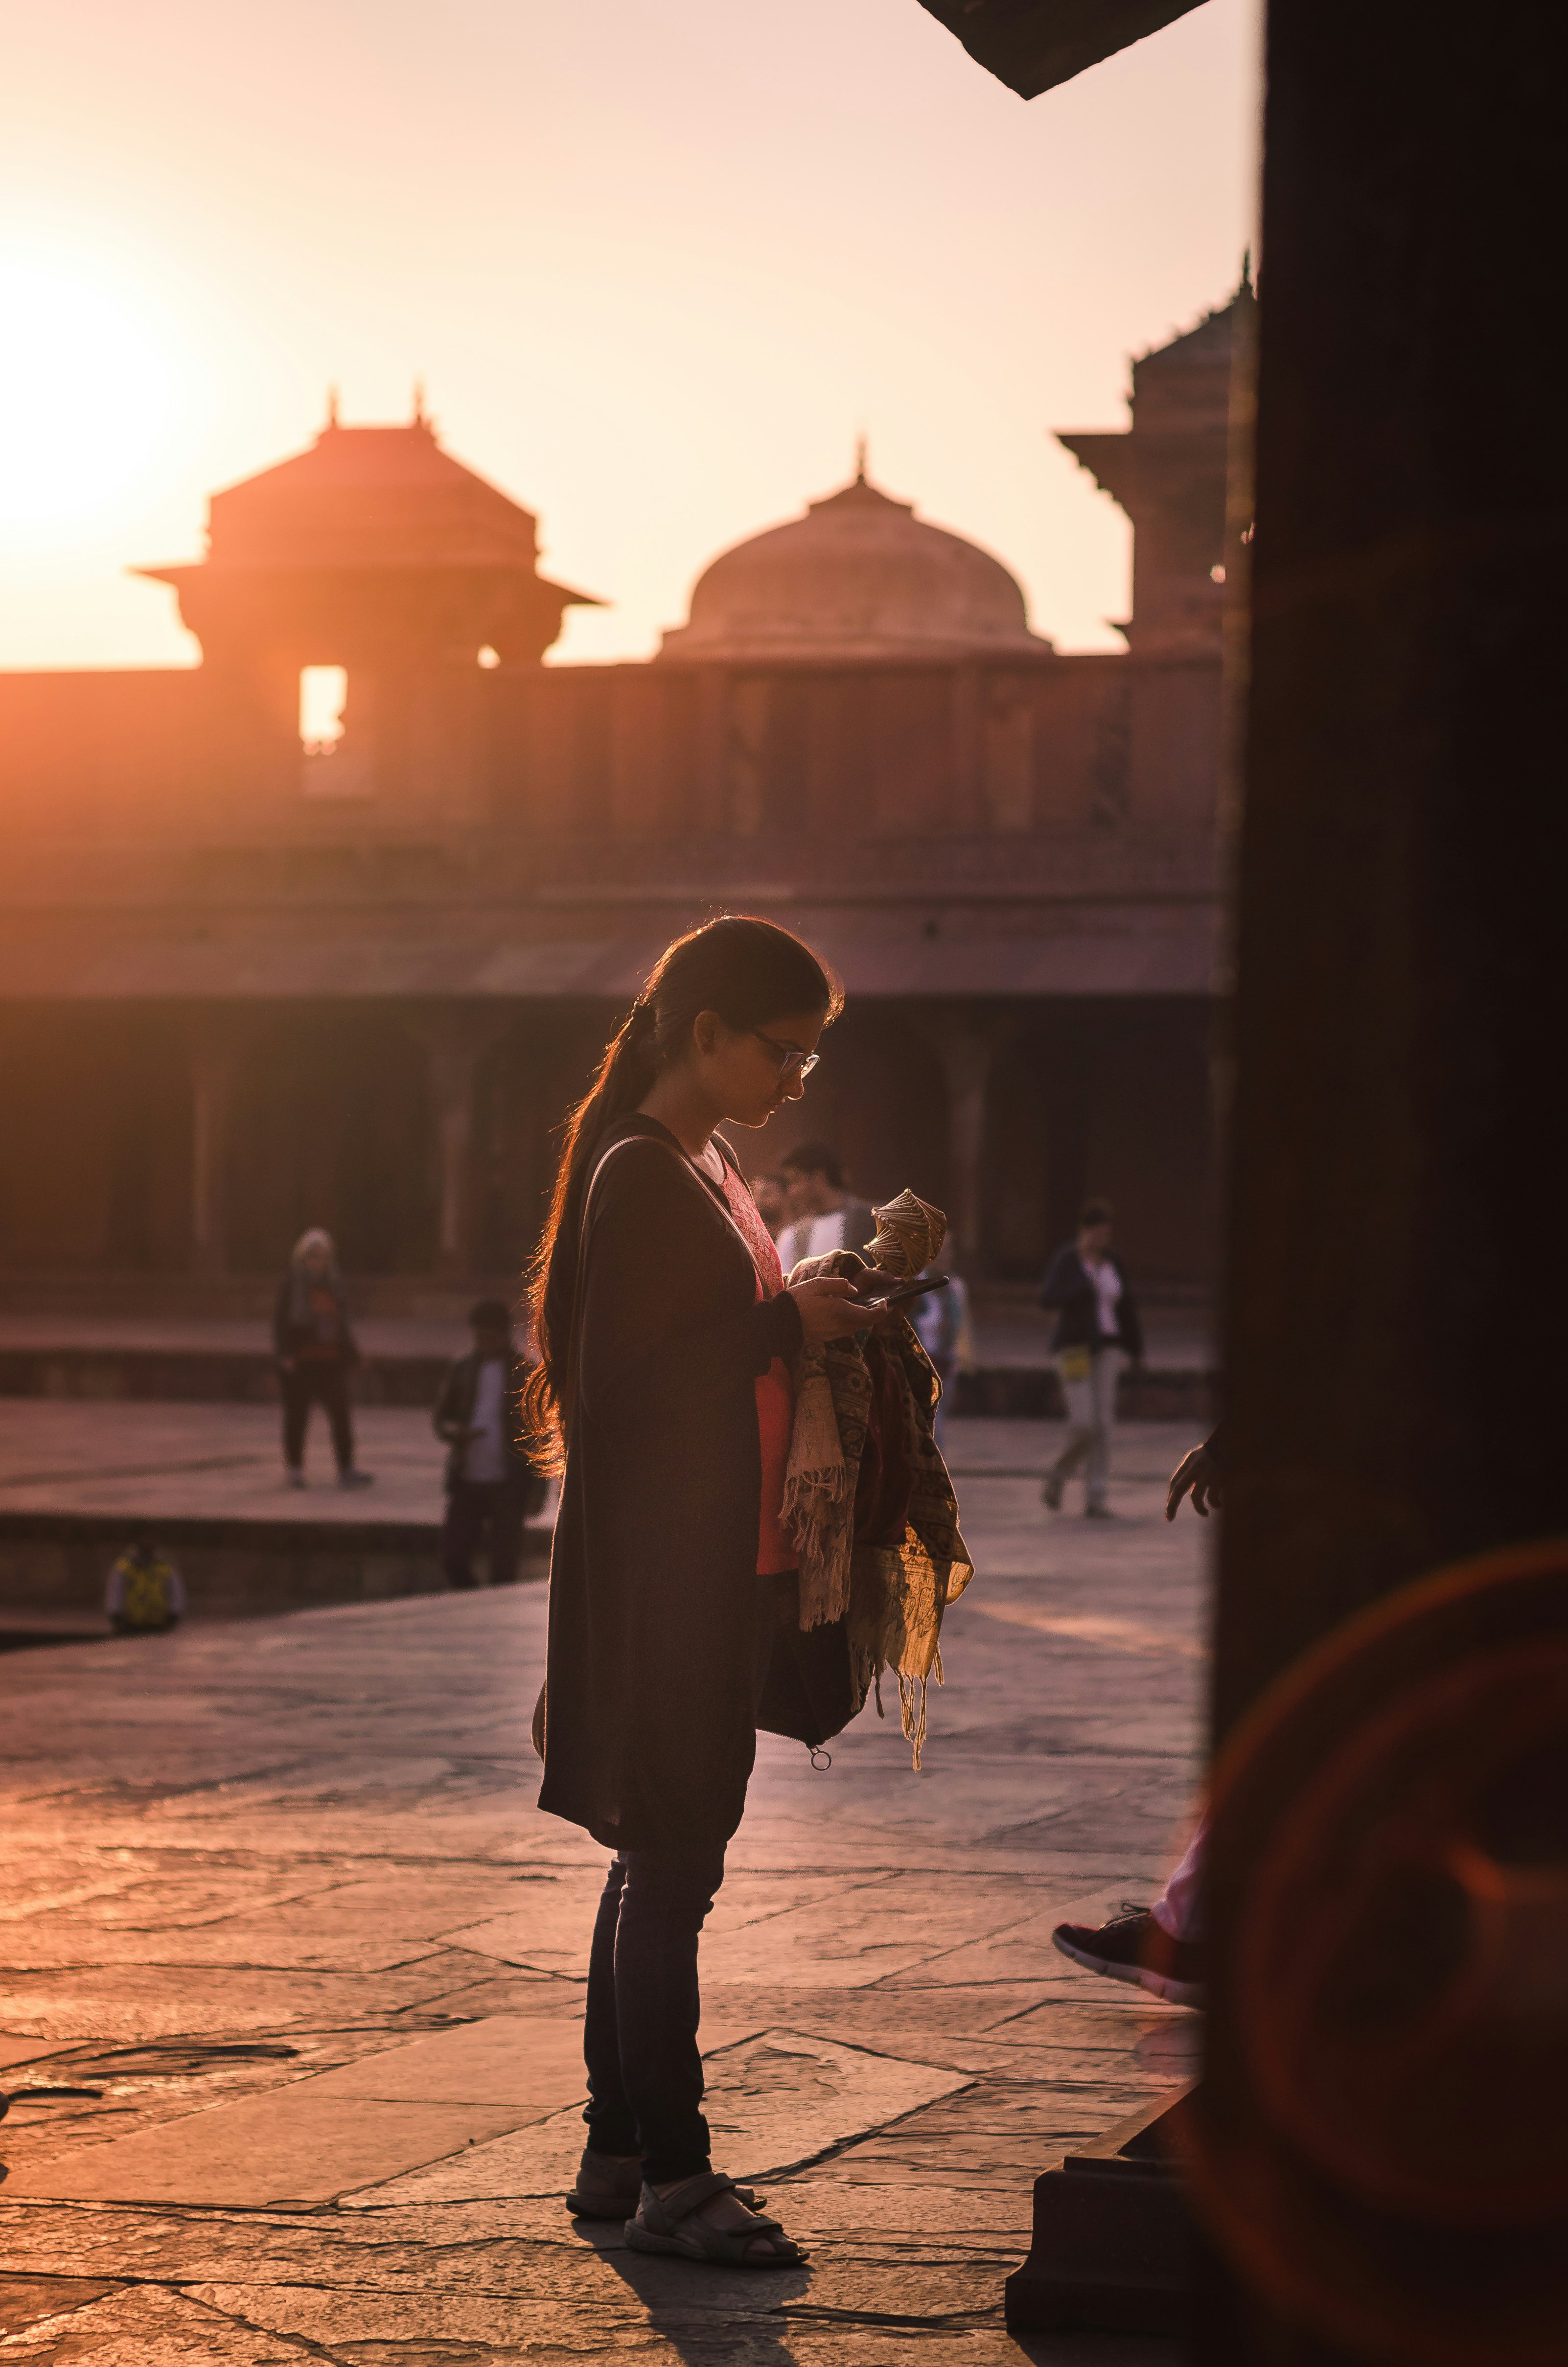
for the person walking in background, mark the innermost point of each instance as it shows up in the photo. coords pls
(942, 1327)
(1097, 1328)
(145, 1595)
(825, 1217)
(491, 1486)
(315, 1349)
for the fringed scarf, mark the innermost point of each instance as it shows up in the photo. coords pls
(891, 1598)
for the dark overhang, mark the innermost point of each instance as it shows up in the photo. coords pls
(1032, 45)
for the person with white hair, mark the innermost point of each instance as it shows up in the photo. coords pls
(316, 1351)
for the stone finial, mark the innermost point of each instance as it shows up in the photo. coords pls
(910, 1234)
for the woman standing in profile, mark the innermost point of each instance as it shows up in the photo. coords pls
(316, 1353)
(663, 1392)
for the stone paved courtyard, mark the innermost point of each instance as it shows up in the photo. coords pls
(294, 1974)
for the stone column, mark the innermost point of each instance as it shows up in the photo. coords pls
(212, 1041)
(1395, 1140)
(966, 1042)
(454, 1042)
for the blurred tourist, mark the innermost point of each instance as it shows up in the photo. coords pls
(491, 1486)
(772, 1202)
(1097, 1329)
(316, 1353)
(825, 1217)
(942, 1326)
(146, 1594)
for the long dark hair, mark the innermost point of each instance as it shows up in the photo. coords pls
(748, 971)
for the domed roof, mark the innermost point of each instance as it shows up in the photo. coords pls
(859, 576)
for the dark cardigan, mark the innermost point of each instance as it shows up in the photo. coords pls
(655, 1601)
(1069, 1287)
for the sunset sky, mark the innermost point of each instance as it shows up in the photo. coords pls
(657, 262)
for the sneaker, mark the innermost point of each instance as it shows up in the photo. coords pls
(1050, 1494)
(1099, 1513)
(293, 1479)
(354, 1478)
(1133, 1947)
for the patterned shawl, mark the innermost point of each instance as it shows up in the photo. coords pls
(892, 1596)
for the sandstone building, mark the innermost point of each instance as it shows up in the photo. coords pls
(251, 980)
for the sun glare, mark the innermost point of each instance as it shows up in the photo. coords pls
(87, 396)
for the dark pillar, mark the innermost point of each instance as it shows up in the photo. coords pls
(212, 1045)
(1074, 1055)
(966, 1043)
(1397, 1171)
(454, 1042)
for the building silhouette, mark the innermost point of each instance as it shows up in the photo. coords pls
(253, 976)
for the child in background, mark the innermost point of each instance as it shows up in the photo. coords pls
(146, 1592)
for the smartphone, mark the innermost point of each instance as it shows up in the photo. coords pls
(906, 1290)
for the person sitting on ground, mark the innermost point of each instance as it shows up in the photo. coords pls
(823, 1216)
(145, 1595)
(491, 1486)
(316, 1351)
(1160, 1948)
(1097, 1327)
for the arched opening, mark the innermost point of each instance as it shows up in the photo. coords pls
(95, 1154)
(1017, 1162)
(1110, 1098)
(878, 1098)
(335, 760)
(1150, 1138)
(525, 1086)
(332, 1126)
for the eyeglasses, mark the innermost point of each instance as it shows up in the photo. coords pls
(791, 1060)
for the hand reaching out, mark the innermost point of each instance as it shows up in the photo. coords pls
(1196, 1475)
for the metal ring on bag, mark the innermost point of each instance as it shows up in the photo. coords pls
(821, 1760)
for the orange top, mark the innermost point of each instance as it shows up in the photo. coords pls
(774, 1389)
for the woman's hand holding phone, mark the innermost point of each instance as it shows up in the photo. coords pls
(830, 1309)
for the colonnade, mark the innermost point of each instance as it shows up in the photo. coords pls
(201, 1140)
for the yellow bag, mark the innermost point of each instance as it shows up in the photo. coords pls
(1076, 1363)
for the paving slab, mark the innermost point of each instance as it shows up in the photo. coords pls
(281, 1901)
(290, 2147)
(141, 2326)
(773, 2101)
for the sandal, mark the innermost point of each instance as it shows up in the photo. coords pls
(609, 2187)
(667, 2223)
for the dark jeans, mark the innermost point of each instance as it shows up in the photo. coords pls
(644, 2065)
(317, 1384)
(644, 2069)
(474, 1506)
